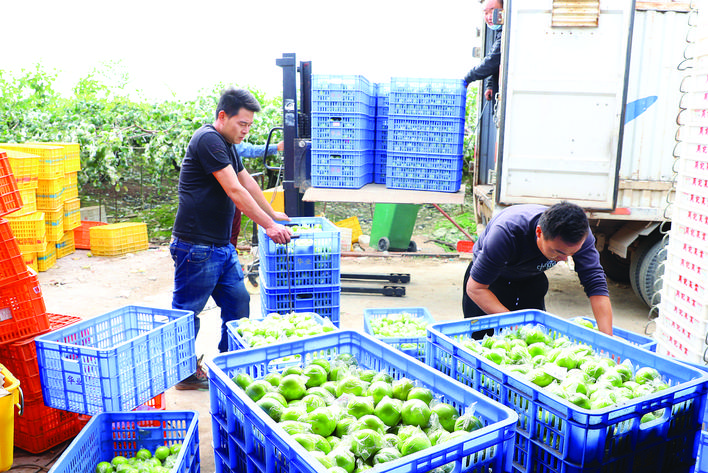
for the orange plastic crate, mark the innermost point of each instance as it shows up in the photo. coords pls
(41, 428)
(9, 194)
(82, 234)
(66, 245)
(22, 310)
(118, 238)
(72, 214)
(54, 223)
(47, 258)
(20, 358)
(12, 264)
(25, 168)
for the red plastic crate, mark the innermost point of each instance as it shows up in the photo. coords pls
(21, 358)
(82, 234)
(22, 310)
(10, 199)
(158, 403)
(40, 427)
(12, 264)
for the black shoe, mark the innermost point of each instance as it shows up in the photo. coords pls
(199, 381)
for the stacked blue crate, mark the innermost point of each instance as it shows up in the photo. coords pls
(382, 92)
(426, 121)
(304, 275)
(343, 123)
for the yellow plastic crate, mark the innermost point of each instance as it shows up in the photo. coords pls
(51, 158)
(72, 156)
(50, 193)
(54, 222)
(71, 186)
(25, 168)
(47, 258)
(30, 231)
(72, 214)
(118, 238)
(66, 245)
(29, 202)
(30, 259)
(353, 223)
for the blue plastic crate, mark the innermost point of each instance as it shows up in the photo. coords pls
(116, 361)
(237, 342)
(338, 123)
(702, 460)
(342, 134)
(364, 142)
(641, 341)
(322, 300)
(342, 182)
(110, 434)
(326, 274)
(247, 439)
(342, 82)
(424, 146)
(311, 249)
(446, 181)
(413, 346)
(418, 164)
(337, 169)
(562, 437)
(453, 126)
(337, 159)
(429, 86)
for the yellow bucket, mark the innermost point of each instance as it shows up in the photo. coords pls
(7, 418)
(353, 223)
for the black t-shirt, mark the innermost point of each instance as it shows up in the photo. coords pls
(205, 213)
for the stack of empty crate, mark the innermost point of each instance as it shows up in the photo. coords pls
(426, 119)
(46, 175)
(304, 275)
(382, 91)
(343, 125)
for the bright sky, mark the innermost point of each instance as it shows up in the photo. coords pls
(178, 47)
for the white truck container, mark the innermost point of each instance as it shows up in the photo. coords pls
(587, 114)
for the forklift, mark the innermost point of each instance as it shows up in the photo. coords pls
(295, 170)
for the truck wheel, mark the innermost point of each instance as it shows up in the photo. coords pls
(643, 267)
(651, 271)
(616, 268)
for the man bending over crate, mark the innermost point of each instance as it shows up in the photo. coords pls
(212, 184)
(515, 249)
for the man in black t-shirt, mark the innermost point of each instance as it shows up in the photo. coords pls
(212, 184)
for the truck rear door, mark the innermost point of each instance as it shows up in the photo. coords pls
(564, 82)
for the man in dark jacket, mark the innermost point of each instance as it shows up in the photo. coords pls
(488, 69)
(515, 249)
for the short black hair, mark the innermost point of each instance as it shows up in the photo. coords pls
(232, 100)
(564, 220)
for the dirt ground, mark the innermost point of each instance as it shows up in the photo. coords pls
(86, 286)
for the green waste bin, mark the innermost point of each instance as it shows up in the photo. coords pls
(392, 226)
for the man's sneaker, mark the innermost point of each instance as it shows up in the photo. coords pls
(199, 381)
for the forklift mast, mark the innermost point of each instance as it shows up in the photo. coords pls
(296, 135)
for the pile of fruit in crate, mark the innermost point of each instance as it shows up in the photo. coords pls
(569, 370)
(279, 328)
(351, 418)
(162, 461)
(400, 325)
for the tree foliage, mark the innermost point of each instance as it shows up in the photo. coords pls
(121, 138)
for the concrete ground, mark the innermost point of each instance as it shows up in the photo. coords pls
(87, 286)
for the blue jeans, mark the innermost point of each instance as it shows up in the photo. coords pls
(207, 270)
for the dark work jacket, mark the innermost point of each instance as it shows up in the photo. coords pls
(488, 69)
